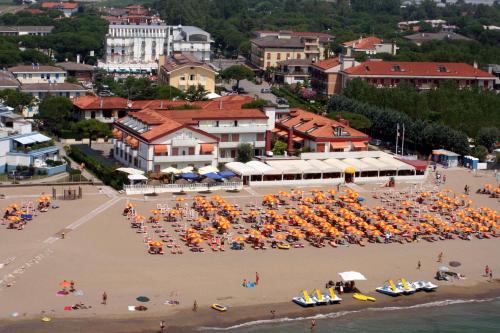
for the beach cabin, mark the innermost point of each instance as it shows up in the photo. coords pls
(471, 162)
(445, 157)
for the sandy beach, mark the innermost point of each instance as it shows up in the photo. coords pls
(101, 253)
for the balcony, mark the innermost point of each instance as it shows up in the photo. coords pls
(235, 144)
(183, 158)
(234, 129)
(184, 142)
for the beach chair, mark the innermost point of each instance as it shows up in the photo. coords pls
(393, 286)
(306, 296)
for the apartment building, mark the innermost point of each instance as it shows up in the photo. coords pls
(370, 46)
(326, 75)
(157, 137)
(271, 47)
(68, 8)
(421, 75)
(182, 70)
(28, 30)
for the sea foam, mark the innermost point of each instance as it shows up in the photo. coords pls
(333, 315)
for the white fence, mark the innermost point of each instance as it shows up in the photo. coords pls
(171, 188)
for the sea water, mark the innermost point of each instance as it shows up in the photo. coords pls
(482, 316)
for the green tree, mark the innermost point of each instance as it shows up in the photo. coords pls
(92, 129)
(480, 152)
(487, 137)
(16, 99)
(238, 73)
(194, 93)
(54, 112)
(279, 147)
(163, 91)
(357, 121)
(245, 152)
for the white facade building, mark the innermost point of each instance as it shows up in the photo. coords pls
(136, 48)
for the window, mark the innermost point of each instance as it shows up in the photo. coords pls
(235, 138)
(192, 77)
(57, 75)
(396, 68)
(175, 151)
(42, 76)
(236, 123)
(320, 147)
(224, 137)
(268, 64)
(182, 78)
(269, 56)
(24, 76)
(191, 151)
(48, 76)
(233, 153)
(288, 55)
(298, 55)
(30, 75)
(260, 136)
(442, 69)
(278, 56)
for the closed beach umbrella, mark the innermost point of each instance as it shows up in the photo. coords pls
(455, 263)
(444, 268)
(143, 299)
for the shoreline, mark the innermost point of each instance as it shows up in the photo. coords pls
(205, 319)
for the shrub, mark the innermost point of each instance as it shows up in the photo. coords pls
(108, 175)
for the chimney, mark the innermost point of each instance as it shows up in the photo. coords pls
(290, 141)
(77, 58)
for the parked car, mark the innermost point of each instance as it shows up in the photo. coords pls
(265, 90)
(281, 101)
(239, 90)
(19, 175)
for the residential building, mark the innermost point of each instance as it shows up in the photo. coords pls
(68, 8)
(415, 25)
(65, 89)
(134, 48)
(420, 38)
(104, 109)
(19, 146)
(38, 74)
(81, 72)
(292, 71)
(271, 47)
(182, 70)
(155, 138)
(190, 40)
(326, 78)
(303, 130)
(421, 75)
(36, 30)
(370, 46)
(8, 80)
(494, 70)
(136, 40)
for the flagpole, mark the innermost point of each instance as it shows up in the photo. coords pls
(403, 141)
(397, 138)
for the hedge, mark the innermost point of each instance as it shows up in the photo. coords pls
(108, 175)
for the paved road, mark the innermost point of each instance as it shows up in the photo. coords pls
(253, 89)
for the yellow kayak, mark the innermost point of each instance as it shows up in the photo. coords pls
(284, 246)
(219, 307)
(362, 297)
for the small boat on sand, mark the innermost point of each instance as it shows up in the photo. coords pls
(305, 300)
(332, 297)
(389, 288)
(218, 307)
(362, 297)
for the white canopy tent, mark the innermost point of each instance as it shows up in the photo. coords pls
(170, 170)
(187, 169)
(352, 276)
(131, 171)
(285, 167)
(242, 169)
(263, 168)
(397, 164)
(212, 95)
(323, 167)
(305, 166)
(377, 163)
(137, 177)
(207, 169)
(359, 165)
(337, 163)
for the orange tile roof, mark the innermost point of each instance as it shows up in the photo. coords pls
(367, 43)
(59, 5)
(411, 69)
(327, 63)
(163, 121)
(303, 121)
(99, 103)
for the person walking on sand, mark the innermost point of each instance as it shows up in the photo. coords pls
(440, 257)
(487, 271)
(257, 278)
(273, 314)
(245, 283)
(491, 275)
(195, 306)
(104, 298)
(419, 265)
